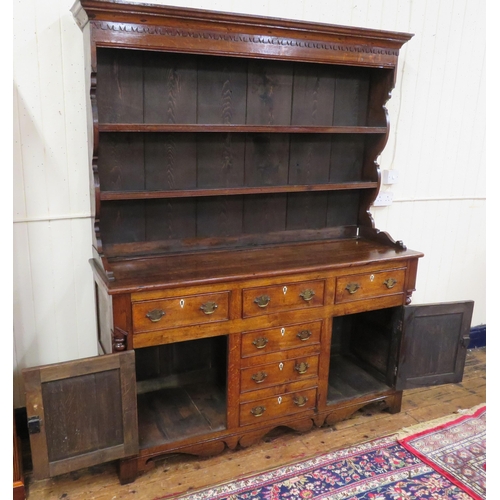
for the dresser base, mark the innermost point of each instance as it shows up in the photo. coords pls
(130, 468)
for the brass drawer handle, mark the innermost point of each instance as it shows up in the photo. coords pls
(302, 367)
(155, 315)
(258, 411)
(263, 300)
(259, 377)
(307, 294)
(260, 343)
(209, 307)
(352, 287)
(304, 335)
(389, 283)
(300, 400)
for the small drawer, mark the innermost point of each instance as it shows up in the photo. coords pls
(283, 297)
(281, 338)
(280, 372)
(277, 406)
(369, 285)
(180, 311)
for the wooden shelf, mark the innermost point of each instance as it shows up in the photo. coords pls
(177, 413)
(348, 380)
(210, 128)
(190, 193)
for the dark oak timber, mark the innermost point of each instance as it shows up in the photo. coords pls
(234, 166)
(66, 438)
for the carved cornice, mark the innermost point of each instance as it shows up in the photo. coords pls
(242, 38)
(158, 27)
(121, 11)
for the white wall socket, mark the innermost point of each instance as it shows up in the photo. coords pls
(390, 176)
(383, 199)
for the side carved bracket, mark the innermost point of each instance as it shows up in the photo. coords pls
(381, 236)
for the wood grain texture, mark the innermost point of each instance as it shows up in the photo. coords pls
(70, 438)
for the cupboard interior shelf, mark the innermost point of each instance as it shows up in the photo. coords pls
(189, 193)
(216, 128)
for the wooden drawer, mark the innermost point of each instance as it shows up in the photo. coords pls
(277, 406)
(282, 372)
(282, 297)
(180, 311)
(281, 338)
(368, 285)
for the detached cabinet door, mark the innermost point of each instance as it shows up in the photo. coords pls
(81, 413)
(433, 344)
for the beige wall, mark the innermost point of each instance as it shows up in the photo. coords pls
(437, 145)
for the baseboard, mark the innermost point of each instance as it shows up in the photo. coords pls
(477, 337)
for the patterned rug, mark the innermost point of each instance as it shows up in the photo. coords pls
(377, 470)
(456, 449)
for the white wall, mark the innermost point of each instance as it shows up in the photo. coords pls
(436, 143)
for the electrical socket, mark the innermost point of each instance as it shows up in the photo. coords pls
(390, 176)
(383, 199)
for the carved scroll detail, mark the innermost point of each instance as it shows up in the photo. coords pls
(381, 236)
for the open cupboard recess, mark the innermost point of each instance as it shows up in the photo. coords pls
(241, 283)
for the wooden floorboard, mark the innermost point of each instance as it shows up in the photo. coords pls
(180, 473)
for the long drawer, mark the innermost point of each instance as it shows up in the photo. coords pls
(283, 297)
(369, 285)
(258, 377)
(183, 310)
(284, 337)
(277, 406)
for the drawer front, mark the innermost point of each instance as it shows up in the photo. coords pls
(280, 338)
(258, 377)
(368, 285)
(283, 297)
(180, 311)
(277, 406)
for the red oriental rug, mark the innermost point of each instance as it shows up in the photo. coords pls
(377, 470)
(456, 449)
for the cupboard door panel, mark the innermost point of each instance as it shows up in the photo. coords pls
(434, 344)
(81, 413)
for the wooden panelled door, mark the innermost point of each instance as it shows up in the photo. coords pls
(81, 413)
(434, 344)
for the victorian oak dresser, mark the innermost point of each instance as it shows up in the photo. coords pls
(241, 283)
